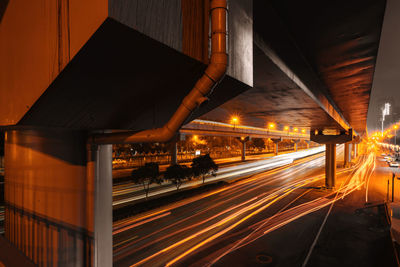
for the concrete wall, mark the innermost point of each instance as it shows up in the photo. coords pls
(49, 198)
(162, 21)
(240, 45)
(158, 19)
(37, 40)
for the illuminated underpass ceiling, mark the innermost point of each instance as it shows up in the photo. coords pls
(331, 46)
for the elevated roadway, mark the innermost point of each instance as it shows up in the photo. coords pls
(213, 128)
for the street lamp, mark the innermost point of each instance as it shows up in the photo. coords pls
(295, 129)
(385, 112)
(286, 128)
(271, 125)
(234, 121)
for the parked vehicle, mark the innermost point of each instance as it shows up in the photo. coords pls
(394, 164)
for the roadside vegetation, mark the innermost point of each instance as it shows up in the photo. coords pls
(176, 174)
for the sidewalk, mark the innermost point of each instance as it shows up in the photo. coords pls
(357, 230)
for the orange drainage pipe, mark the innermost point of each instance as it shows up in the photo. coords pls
(212, 75)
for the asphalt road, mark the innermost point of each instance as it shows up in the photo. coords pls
(129, 193)
(209, 227)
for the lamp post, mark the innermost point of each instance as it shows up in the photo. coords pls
(235, 120)
(287, 128)
(395, 133)
(385, 112)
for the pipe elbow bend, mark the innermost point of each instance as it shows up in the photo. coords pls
(218, 66)
(165, 134)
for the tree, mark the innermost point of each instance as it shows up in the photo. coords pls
(147, 175)
(204, 165)
(177, 174)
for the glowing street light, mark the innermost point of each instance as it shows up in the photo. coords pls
(286, 128)
(385, 112)
(303, 130)
(295, 129)
(234, 121)
(271, 125)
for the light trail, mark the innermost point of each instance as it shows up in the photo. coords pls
(224, 173)
(291, 186)
(230, 189)
(273, 197)
(283, 218)
(184, 235)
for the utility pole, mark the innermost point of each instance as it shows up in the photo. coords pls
(393, 175)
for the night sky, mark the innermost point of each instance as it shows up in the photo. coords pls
(386, 82)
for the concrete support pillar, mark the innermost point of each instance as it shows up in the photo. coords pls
(330, 165)
(354, 151)
(100, 157)
(174, 153)
(276, 146)
(58, 195)
(295, 141)
(308, 144)
(243, 151)
(243, 141)
(347, 155)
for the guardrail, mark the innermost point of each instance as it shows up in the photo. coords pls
(204, 127)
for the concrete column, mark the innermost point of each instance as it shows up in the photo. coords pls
(174, 153)
(308, 144)
(243, 151)
(59, 197)
(347, 155)
(354, 151)
(296, 141)
(276, 147)
(330, 165)
(243, 141)
(101, 159)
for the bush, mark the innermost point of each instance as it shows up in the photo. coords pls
(146, 175)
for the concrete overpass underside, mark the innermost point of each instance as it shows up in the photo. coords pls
(313, 64)
(67, 72)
